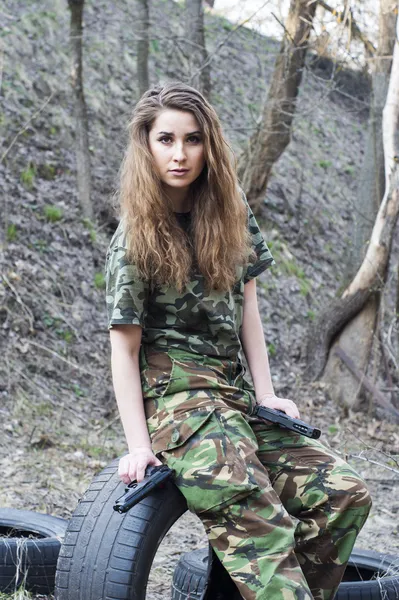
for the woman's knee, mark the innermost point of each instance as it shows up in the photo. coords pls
(348, 490)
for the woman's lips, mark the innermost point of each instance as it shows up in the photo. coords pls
(179, 173)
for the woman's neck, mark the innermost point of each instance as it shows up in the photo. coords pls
(180, 199)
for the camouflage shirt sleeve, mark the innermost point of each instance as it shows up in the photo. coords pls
(264, 258)
(126, 293)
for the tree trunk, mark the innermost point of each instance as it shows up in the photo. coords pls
(337, 325)
(81, 122)
(274, 132)
(372, 176)
(200, 72)
(142, 25)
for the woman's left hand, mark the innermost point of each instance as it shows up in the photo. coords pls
(284, 404)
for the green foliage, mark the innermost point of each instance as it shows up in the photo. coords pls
(253, 107)
(44, 409)
(41, 245)
(57, 325)
(95, 451)
(289, 265)
(271, 349)
(11, 232)
(65, 334)
(52, 213)
(20, 594)
(78, 391)
(305, 286)
(99, 281)
(28, 176)
(227, 26)
(349, 170)
(90, 228)
(311, 315)
(325, 164)
(46, 171)
(333, 429)
(154, 45)
(48, 320)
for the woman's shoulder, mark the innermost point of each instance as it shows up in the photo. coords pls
(118, 239)
(117, 251)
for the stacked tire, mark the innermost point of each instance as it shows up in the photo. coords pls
(29, 546)
(103, 555)
(368, 576)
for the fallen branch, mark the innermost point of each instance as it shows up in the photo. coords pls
(373, 462)
(61, 358)
(370, 447)
(370, 460)
(25, 308)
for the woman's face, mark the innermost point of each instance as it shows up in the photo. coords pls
(176, 143)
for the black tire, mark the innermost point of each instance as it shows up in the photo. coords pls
(106, 555)
(368, 576)
(191, 574)
(29, 546)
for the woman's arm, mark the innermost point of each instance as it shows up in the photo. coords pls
(254, 346)
(125, 343)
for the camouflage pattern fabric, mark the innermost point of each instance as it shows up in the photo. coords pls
(198, 321)
(281, 511)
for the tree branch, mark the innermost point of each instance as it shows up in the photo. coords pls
(24, 128)
(354, 28)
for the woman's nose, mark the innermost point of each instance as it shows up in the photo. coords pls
(179, 153)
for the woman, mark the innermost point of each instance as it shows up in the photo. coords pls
(281, 511)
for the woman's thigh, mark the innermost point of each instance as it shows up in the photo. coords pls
(216, 464)
(305, 473)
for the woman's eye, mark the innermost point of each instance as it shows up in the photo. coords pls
(192, 139)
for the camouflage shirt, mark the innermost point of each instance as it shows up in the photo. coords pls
(207, 323)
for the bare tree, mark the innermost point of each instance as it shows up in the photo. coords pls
(83, 169)
(197, 54)
(345, 329)
(142, 24)
(372, 177)
(274, 132)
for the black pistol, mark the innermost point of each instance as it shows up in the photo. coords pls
(135, 492)
(280, 418)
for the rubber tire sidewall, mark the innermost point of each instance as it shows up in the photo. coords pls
(109, 555)
(36, 557)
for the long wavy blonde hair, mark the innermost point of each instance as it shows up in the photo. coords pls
(219, 239)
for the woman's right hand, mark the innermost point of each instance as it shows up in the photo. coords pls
(132, 466)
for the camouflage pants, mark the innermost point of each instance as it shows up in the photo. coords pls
(281, 511)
